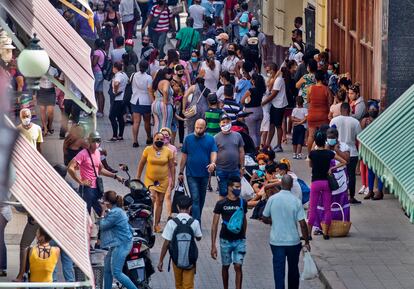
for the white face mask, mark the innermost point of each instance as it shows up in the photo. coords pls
(262, 167)
(226, 128)
(26, 121)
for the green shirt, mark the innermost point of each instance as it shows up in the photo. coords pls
(185, 35)
(212, 116)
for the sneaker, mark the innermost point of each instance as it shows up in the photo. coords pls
(299, 156)
(135, 145)
(278, 149)
(366, 191)
(361, 190)
(295, 156)
(99, 115)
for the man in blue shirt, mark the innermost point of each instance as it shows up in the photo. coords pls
(284, 210)
(199, 154)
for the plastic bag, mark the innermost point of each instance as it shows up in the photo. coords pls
(309, 267)
(247, 191)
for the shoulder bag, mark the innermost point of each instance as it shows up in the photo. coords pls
(99, 180)
(185, 53)
(192, 109)
(154, 21)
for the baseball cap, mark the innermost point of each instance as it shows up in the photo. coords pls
(129, 42)
(255, 22)
(209, 41)
(212, 98)
(223, 35)
(225, 116)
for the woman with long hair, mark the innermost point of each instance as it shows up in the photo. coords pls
(112, 24)
(307, 80)
(74, 142)
(162, 107)
(356, 101)
(210, 71)
(271, 72)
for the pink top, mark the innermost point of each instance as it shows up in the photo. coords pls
(101, 60)
(85, 165)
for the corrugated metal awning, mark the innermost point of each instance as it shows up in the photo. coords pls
(386, 147)
(53, 204)
(63, 44)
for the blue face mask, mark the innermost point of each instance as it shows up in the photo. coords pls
(331, 141)
(194, 59)
(236, 192)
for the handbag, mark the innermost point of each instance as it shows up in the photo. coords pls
(338, 228)
(192, 109)
(333, 183)
(179, 191)
(99, 180)
(185, 53)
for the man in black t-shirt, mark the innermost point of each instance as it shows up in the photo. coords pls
(232, 245)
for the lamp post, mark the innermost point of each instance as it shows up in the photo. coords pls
(33, 62)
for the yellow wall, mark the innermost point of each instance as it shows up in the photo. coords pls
(321, 25)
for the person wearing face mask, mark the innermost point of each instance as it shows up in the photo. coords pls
(222, 49)
(194, 65)
(373, 110)
(188, 38)
(229, 62)
(358, 107)
(162, 106)
(340, 195)
(230, 155)
(210, 71)
(198, 161)
(244, 84)
(88, 162)
(232, 245)
(167, 143)
(159, 160)
(30, 131)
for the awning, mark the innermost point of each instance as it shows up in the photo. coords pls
(63, 44)
(52, 203)
(386, 146)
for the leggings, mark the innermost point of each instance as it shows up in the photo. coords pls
(371, 181)
(364, 173)
(116, 116)
(351, 167)
(163, 115)
(320, 189)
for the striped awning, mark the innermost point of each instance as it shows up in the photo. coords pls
(386, 147)
(62, 43)
(52, 203)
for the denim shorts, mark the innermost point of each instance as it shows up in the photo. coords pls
(232, 251)
(99, 80)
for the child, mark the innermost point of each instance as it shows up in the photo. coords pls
(232, 240)
(182, 276)
(260, 173)
(212, 115)
(299, 117)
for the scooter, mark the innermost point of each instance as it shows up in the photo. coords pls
(138, 204)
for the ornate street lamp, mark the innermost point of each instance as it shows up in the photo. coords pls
(33, 62)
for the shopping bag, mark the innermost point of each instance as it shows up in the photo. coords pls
(309, 267)
(247, 191)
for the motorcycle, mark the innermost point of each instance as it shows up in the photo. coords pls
(138, 205)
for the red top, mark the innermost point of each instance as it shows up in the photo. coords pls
(318, 105)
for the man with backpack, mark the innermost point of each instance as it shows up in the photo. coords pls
(232, 210)
(180, 234)
(254, 44)
(188, 39)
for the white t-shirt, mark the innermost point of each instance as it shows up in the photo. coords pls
(197, 12)
(44, 80)
(280, 101)
(168, 232)
(220, 93)
(33, 135)
(140, 84)
(348, 128)
(122, 78)
(229, 64)
(212, 76)
(300, 113)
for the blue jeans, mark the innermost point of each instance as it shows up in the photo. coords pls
(198, 188)
(371, 181)
(114, 262)
(159, 39)
(222, 178)
(280, 253)
(67, 266)
(91, 197)
(218, 8)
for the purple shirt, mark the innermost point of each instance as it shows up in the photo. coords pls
(83, 27)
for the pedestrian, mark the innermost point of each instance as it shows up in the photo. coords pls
(243, 21)
(141, 101)
(88, 162)
(126, 11)
(307, 80)
(335, 109)
(184, 278)
(299, 119)
(244, 83)
(232, 241)
(74, 142)
(117, 108)
(210, 71)
(160, 165)
(230, 106)
(333, 82)
(283, 211)
(319, 100)
(147, 48)
(168, 143)
(162, 107)
(160, 21)
(222, 49)
(196, 12)
(320, 162)
(30, 131)
(212, 115)
(348, 129)
(291, 92)
(230, 155)
(46, 99)
(112, 23)
(230, 60)
(271, 73)
(188, 39)
(254, 42)
(225, 78)
(199, 155)
(358, 107)
(194, 65)
(278, 101)
(119, 49)
(252, 101)
(132, 56)
(98, 60)
(116, 236)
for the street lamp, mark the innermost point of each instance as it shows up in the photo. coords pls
(33, 62)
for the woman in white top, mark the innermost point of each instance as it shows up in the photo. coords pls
(229, 63)
(210, 71)
(141, 101)
(46, 99)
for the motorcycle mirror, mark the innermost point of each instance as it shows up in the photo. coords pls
(123, 167)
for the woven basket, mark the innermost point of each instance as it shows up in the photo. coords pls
(338, 228)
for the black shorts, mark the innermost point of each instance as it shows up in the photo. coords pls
(298, 135)
(276, 115)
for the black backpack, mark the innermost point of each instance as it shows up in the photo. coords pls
(183, 248)
(106, 68)
(252, 46)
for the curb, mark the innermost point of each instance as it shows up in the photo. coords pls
(329, 278)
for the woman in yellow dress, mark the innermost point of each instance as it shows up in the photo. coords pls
(160, 164)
